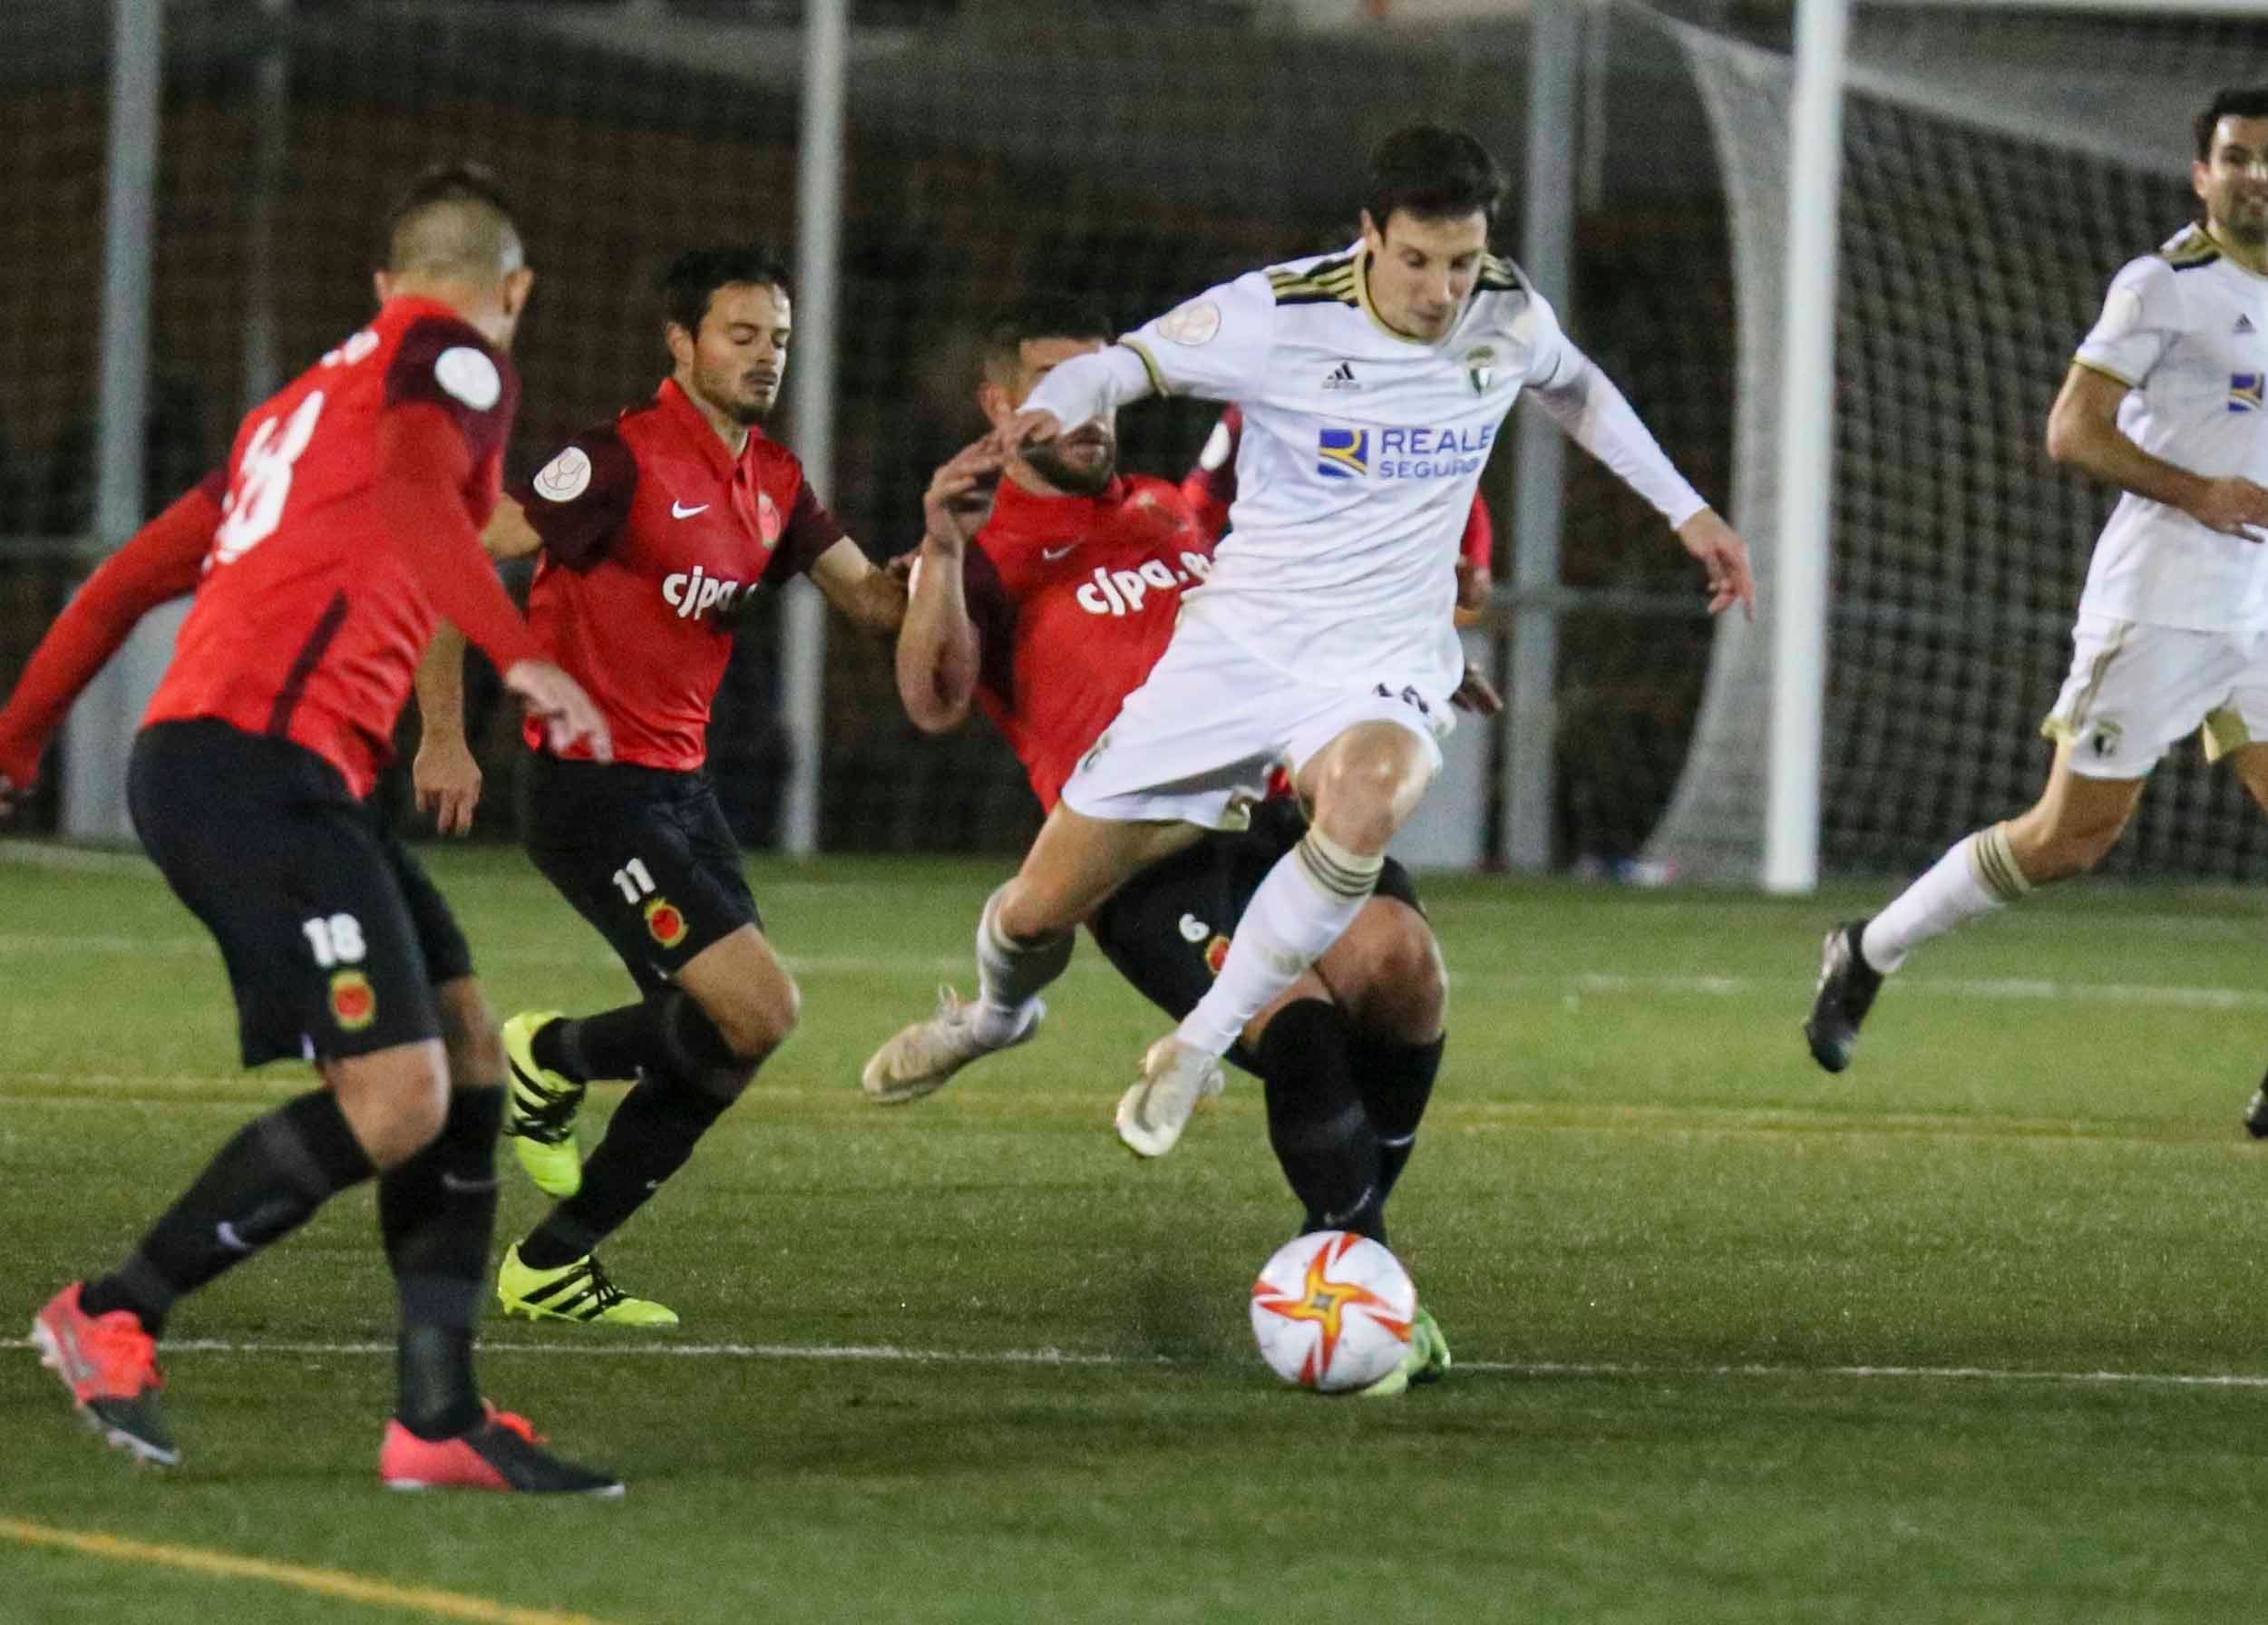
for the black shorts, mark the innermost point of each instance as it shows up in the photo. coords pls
(1167, 929)
(334, 937)
(644, 854)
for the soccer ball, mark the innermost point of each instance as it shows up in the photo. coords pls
(1332, 1311)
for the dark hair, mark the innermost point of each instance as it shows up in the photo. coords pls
(1433, 172)
(405, 246)
(2242, 102)
(1043, 313)
(694, 276)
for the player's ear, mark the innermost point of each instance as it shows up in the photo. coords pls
(1373, 233)
(679, 341)
(382, 281)
(994, 402)
(518, 285)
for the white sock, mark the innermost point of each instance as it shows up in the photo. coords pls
(1307, 903)
(1976, 876)
(1010, 975)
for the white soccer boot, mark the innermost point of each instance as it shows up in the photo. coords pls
(923, 1057)
(1174, 1078)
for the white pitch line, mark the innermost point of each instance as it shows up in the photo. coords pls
(885, 1353)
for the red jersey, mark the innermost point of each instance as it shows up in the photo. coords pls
(1073, 599)
(308, 623)
(654, 537)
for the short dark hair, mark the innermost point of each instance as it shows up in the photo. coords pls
(2239, 102)
(1434, 172)
(692, 280)
(1042, 313)
(430, 227)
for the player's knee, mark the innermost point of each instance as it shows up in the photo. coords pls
(1360, 800)
(401, 1116)
(1403, 991)
(741, 1029)
(1027, 917)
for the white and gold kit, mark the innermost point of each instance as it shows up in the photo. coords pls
(2171, 630)
(1331, 595)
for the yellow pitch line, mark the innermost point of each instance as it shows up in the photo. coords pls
(322, 1582)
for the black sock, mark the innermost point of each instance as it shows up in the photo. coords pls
(1316, 1120)
(437, 1213)
(1397, 1081)
(652, 1132)
(264, 1183)
(668, 1032)
(611, 1044)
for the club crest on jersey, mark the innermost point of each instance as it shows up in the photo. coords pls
(566, 477)
(1480, 367)
(2105, 737)
(694, 593)
(769, 524)
(1216, 954)
(354, 1002)
(1342, 453)
(664, 922)
(2245, 392)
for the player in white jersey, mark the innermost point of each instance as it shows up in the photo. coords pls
(2164, 400)
(1373, 383)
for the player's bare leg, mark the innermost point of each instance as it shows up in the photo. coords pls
(1363, 786)
(2070, 830)
(1024, 940)
(700, 1042)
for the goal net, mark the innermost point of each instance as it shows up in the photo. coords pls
(1999, 163)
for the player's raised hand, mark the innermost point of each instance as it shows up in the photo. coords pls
(448, 783)
(1726, 558)
(2234, 507)
(558, 701)
(959, 498)
(1476, 694)
(1032, 427)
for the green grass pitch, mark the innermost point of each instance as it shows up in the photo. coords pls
(1977, 1332)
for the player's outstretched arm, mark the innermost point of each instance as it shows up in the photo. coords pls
(1596, 415)
(163, 561)
(872, 598)
(940, 652)
(2083, 432)
(444, 774)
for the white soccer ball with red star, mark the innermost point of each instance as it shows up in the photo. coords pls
(1333, 1311)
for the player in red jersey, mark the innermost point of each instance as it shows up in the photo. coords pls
(1209, 488)
(657, 531)
(346, 520)
(1046, 618)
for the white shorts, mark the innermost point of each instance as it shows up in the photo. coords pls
(1197, 742)
(2134, 689)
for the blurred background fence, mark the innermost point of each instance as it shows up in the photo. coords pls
(1137, 151)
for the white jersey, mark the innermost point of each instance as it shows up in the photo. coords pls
(1361, 453)
(2186, 329)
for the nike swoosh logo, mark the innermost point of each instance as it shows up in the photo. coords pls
(1052, 554)
(679, 511)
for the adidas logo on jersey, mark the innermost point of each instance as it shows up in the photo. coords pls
(1342, 376)
(2245, 324)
